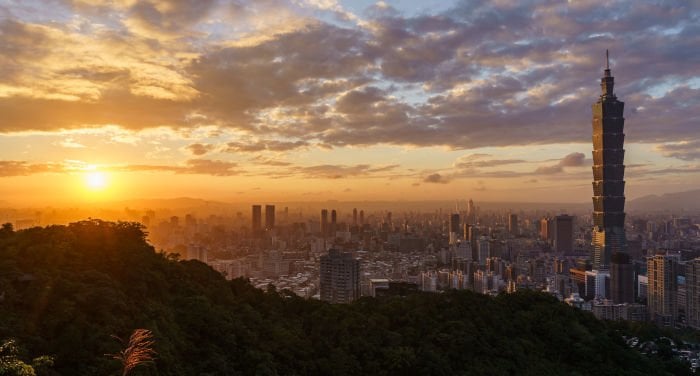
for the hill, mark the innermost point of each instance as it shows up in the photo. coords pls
(67, 289)
(670, 202)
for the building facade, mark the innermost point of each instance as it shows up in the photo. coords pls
(608, 174)
(340, 277)
(662, 303)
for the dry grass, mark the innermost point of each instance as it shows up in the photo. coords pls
(137, 351)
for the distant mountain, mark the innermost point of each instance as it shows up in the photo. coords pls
(678, 201)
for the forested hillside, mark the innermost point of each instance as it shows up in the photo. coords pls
(66, 290)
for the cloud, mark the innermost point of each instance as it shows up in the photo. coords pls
(340, 171)
(192, 166)
(264, 145)
(573, 160)
(481, 160)
(570, 160)
(684, 150)
(23, 168)
(436, 178)
(200, 149)
(477, 75)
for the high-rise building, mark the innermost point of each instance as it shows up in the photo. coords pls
(324, 222)
(362, 217)
(608, 174)
(692, 282)
(354, 217)
(471, 213)
(621, 278)
(340, 277)
(269, 217)
(454, 227)
(474, 241)
(334, 223)
(544, 228)
(257, 220)
(513, 224)
(563, 233)
(662, 273)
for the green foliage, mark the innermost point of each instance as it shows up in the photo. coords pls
(69, 289)
(12, 365)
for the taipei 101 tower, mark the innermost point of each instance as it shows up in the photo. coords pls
(608, 174)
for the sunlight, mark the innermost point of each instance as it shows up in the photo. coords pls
(96, 180)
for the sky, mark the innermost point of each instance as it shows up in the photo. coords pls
(312, 100)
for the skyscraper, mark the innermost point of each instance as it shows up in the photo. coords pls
(257, 220)
(354, 217)
(324, 222)
(269, 217)
(608, 174)
(513, 224)
(621, 279)
(334, 223)
(692, 283)
(662, 273)
(471, 213)
(454, 227)
(563, 233)
(340, 277)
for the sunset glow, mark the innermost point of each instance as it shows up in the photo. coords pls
(342, 100)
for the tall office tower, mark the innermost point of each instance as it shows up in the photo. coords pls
(354, 217)
(324, 222)
(269, 217)
(621, 278)
(662, 273)
(513, 224)
(474, 241)
(362, 217)
(340, 277)
(257, 220)
(483, 251)
(564, 233)
(471, 213)
(454, 227)
(692, 283)
(334, 223)
(544, 228)
(608, 174)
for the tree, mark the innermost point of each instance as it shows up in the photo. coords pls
(12, 365)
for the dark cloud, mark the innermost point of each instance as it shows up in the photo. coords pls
(570, 160)
(169, 16)
(480, 74)
(200, 149)
(436, 178)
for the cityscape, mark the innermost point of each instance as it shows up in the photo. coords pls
(290, 164)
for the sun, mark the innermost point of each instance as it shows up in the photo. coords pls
(96, 180)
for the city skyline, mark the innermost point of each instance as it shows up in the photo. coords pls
(320, 100)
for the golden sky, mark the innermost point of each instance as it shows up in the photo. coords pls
(310, 100)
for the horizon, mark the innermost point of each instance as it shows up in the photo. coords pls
(347, 101)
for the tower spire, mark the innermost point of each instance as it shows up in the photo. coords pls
(607, 82)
